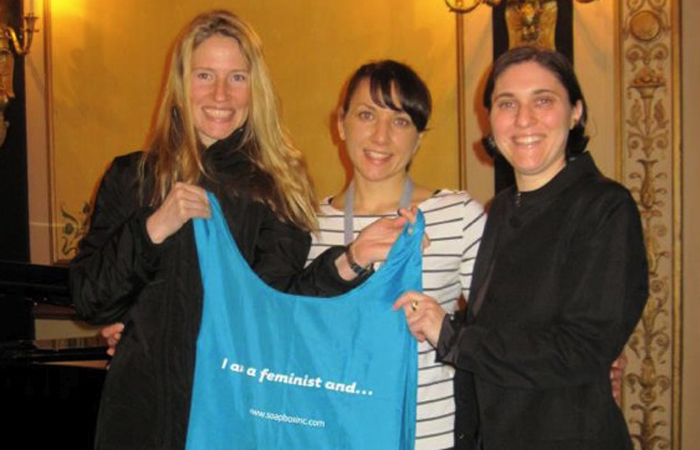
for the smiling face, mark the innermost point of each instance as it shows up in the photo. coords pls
(380, 141)
(219, 88)
(530, 120)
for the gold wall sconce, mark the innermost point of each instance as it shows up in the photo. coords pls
(9, 41)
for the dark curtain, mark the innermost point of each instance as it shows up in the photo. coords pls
(14, 200)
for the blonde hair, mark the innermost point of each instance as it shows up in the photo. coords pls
(174, 151)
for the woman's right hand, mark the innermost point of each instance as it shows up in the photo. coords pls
(374, 242)
(424, 316)
(184, 202)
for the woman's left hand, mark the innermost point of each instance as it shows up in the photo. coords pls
(424, 316)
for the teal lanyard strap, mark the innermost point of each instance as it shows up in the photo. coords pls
(349, 213)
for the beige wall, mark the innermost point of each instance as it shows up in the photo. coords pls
(108, 55)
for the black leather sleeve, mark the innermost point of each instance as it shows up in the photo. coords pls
(116, 259)
(280, 257)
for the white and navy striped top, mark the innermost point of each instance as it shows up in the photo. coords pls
(454, 223)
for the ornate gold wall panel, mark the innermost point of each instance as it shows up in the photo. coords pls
(649, 164)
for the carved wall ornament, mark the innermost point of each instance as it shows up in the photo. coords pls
(531, 22)
(649, 165)
(535, 22)
(645, 26)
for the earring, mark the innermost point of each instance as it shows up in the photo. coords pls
(489, 144)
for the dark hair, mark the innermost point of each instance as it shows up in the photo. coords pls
(560, 67)
(413, 94)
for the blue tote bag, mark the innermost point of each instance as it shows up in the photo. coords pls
(281, 371)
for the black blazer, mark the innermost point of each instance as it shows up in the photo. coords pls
(559, 284)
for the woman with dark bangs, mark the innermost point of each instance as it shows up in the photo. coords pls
(381, 120)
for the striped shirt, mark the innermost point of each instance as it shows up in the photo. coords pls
(454, 223)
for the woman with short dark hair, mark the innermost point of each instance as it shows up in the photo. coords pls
(382, 118)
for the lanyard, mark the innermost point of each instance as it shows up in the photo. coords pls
(349, 215)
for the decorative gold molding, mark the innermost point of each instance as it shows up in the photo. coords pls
(649, 163)
(74, 226)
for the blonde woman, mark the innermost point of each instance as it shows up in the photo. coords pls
(217, 129)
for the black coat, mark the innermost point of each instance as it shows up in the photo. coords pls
(568, 284)
(156, 290)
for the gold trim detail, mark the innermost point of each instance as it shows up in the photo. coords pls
(73, 229)
(648, 160)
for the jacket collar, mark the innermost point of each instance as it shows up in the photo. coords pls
(225, 153)
(576, 168)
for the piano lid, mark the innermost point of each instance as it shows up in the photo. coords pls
(34, 282)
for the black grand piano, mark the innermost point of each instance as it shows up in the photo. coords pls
(49, 390)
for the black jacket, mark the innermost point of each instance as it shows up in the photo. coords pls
(120, 275)
(568, 284)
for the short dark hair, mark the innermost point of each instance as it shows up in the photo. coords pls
(413, 94)
(560, 66)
